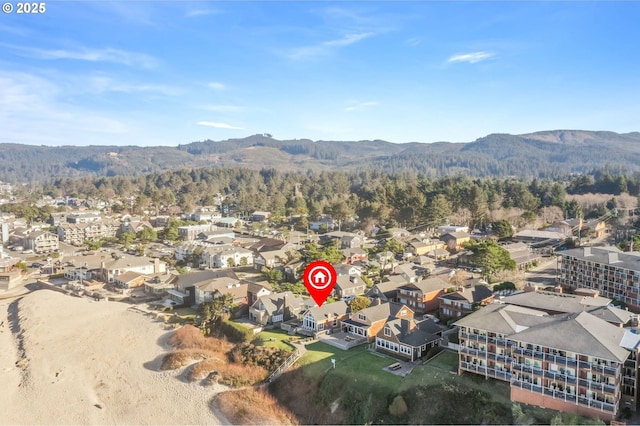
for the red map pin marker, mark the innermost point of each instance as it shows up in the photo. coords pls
(319, 277)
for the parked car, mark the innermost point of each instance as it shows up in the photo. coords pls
(29, 251)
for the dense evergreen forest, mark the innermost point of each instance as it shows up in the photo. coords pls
(407, 199)
(548, 154)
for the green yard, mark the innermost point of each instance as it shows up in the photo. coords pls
(276, 338)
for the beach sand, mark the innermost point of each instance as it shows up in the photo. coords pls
(66, 360)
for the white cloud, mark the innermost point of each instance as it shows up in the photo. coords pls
(133, 59)
(216, 85)
(471, 58)
(218, 125)
(327, 46)
(361, 105)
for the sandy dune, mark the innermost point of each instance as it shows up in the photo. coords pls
(66, 360)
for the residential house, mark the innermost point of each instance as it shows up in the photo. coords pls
(598, 227)
(411, 273)
(344, 240)
(349, 286)
(226, 256)
(325, 222)
(41, 242)
(539, 239)
(422, 296)
(420, 247)
(387, 291)
(255, 290)
(271, 244)
(454, 241)
(205, 213)
(111, 269)
(398, 233)
(325, 317)
(160, 284)
(259, 216)
(190, 232)
(344, 269)
(566, 227)
(353, 255)
(10, 275)
(228, 222)
(438, 254)
(369, 321)
(212, 284)
(573, 362)
(270, 259)
(134, 226)
(130, 280)
(445, 229)
(521, 254)
(275, 308)
(293, 270)
(465, 300)
(614, 274)
(407, 338)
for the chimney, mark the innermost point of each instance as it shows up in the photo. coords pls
(557, 289)
(613, 257)
(460, 289)
(377, 301)
(530, 288)
(586, 251)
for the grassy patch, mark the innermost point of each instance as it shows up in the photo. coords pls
(273, 338)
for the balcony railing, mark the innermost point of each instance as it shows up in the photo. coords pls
(526, 385)
(473, 367)
(594, 403)
(602, 387)
(499, 374)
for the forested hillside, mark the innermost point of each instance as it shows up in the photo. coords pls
(543, 154)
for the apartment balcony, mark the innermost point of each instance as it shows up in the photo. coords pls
(554, 375)
(474, 368)
(602, 387)
(473, 351)
(594, 403)
(558, 359)
(610, 371)
(558, 394)
(472, 336)
(527, 386)
(528, 352)
(499, 374)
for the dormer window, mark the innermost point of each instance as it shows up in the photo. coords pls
(387, 331)
(362, 317)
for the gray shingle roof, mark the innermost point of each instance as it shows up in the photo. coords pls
(418, 335)
(582, 332)
(329, 310)
(429, 285)
(548, 301)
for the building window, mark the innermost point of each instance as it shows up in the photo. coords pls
(362, 317)
(387, 331)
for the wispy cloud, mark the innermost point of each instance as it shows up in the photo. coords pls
(413, 41)
(133, 59)
(101, 84)
(200, 12)
(361, 105)
(471, 58)
(216, 85)
(327, 46)
(224, 108)
(218, 125)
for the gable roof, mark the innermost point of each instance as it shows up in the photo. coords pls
(329, 310)
(268, 244)
(202, 277)
(475, 294)
(275, 302)
(344, 282)
(382, 311)
(421, 333)
(388, 288)
(428, 286)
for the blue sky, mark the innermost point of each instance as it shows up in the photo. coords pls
(169, 72)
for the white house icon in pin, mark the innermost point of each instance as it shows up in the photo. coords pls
(319, 278)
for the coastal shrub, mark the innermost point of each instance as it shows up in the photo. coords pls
(181, 357)
(398, 407)
(190, 337)
(253, 407)
(267, 357)
(234, 332)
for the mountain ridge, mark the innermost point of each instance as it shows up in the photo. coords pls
(545, 153)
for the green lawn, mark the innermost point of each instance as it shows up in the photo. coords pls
(276, 338)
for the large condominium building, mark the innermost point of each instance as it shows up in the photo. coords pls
(614, 273)
(574, 362)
